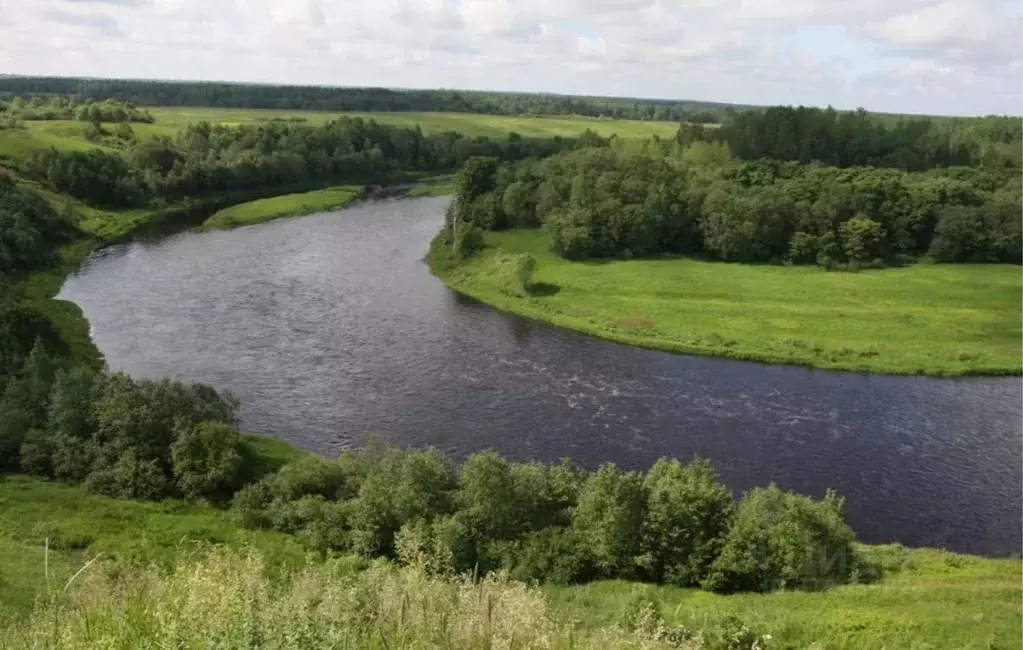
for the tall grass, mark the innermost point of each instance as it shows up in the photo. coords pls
(227, 599)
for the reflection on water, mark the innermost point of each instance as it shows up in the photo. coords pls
(331, 329)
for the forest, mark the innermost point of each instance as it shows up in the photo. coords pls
(322, 98)
(616, 200)
(847, 139)
(204, 159)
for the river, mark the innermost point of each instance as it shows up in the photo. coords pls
(331, 329)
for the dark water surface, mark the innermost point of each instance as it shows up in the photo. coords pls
(331, 329)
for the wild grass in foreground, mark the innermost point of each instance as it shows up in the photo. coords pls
(227, 599)
(950, 319)
(245, 214)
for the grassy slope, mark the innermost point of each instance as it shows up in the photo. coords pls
(262, 210)
(931, 319)
(934, 599)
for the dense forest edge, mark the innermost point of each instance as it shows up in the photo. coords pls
(418, 534)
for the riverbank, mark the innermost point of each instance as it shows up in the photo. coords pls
(923, 319)
(927, 597)
(285, 205)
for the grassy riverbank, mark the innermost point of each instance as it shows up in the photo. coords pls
(928, 598)
(245, 214)
(924, 319)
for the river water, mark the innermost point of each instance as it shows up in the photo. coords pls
(331, 329)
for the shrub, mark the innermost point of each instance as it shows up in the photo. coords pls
(329, 531)
(250, 502)
(609, 515)
(556, 554)
(487, 499)
(310, 475)
(37, 453)
(131, 477)
(514, 272)
(206, 460)
(782, 540)
(687, 516)
(404, 486)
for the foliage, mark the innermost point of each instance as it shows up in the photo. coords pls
(30, 229)
(781, 540)
(611, 200)
(62, 108)
(688, 514)
(207, 158)
(119, 436)
(206, 460)
(852, 138)
(610, 511)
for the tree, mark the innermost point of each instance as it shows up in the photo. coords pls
(782, 540)
(206, 460)
(610, 513)
(861, 239)
(688, 514)
(487, 499)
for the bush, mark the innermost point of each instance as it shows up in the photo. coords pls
(556, 554)
(310, 475)
(404, 486)
(687, 517)
(782, 540)
(131, 477)
(514, 272)
(610, 513)
(206, 460)
(37, 453)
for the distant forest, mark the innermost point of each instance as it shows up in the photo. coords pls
(324, 98)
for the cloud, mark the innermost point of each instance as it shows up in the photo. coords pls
(96, 21)
(948, 56)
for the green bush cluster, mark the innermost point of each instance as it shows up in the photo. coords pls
(30, 229)
(119, 436)
(63, 108)
(676, 524)
(614, 199)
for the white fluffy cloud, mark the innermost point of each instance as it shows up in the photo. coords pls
(933, 56)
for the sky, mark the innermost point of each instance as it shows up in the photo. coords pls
(949, 57)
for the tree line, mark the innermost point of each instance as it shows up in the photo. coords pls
(205, 158)
(674, 524)
(640, 200)
(324, 98)
(65, 108)
(849, 139)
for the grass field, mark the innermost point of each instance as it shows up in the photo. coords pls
(927, 319)
(468, 123)
(928, 599)
(245, 214)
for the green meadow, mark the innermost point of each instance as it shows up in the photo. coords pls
(950, 319)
